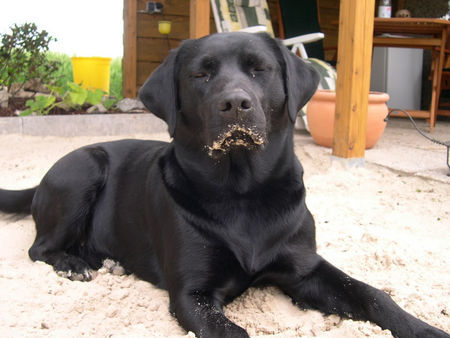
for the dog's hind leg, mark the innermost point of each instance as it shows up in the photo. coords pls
(63, 208)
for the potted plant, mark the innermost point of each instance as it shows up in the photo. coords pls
(321, 110)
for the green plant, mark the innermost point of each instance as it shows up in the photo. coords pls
(116, 78)
(77, 96)
(74, 97)
(64, 73)
(23, 56)
(41, 104)
(109, 102)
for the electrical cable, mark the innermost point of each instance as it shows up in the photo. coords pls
(445, 144)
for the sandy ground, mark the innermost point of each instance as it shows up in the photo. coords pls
(387, 227)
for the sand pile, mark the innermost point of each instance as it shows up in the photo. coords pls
(384, 227)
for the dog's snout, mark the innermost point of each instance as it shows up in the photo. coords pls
(235, 102)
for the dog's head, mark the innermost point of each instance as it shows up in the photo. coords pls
(229, 91)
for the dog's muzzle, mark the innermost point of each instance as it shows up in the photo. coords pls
(236, 136)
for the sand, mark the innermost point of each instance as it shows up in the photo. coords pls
(386, 227)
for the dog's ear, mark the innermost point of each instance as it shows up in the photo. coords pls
(159, 92)
(301, 81)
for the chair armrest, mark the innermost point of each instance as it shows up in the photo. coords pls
(303, 39)
(254, 29)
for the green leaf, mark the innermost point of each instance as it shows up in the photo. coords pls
(109, 103)
(41, 104)
(74, 87)
(26, 112)
(45, 101)
(77, 98)
(56, 89)
(94, 97)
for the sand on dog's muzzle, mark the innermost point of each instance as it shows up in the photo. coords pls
(236, 136)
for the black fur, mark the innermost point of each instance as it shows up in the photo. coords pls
(219, 209)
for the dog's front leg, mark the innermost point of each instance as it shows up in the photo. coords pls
(331, 291)
(204, 316)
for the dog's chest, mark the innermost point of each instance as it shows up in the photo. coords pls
(256, 227)
(253, 238)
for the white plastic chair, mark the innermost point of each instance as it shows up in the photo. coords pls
(253, 16)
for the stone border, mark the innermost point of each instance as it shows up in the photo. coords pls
(83, 125)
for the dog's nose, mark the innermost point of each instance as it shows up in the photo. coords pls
(235, 102)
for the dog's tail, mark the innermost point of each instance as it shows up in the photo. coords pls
(16, 201)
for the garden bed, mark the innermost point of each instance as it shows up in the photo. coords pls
(19, 104)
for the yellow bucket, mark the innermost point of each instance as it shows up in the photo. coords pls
(92, 72)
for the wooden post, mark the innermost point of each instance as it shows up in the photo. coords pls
(353, 81)
(199, 18)
(129, 62)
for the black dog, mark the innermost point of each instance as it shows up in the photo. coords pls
(219, 209)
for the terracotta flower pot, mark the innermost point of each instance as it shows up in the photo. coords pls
(320, 116)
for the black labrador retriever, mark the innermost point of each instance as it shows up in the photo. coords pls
(219, 209)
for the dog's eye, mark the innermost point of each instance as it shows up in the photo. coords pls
(254, 64)
(200, 75)
(256, 70)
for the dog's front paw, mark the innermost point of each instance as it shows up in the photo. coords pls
(427, 331)
(84, 276)
(229, 330)
(73, 268)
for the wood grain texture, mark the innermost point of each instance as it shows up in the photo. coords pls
(353, 82)
(199, 18)
(129, 48)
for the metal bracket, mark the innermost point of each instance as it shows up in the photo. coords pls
(152, 7)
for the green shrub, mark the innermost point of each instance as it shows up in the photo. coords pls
(23, 56)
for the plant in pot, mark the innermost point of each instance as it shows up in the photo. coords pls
(321, 110)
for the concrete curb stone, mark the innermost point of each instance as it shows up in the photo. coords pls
(83, 125)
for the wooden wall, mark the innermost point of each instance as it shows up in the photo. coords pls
(153, 47)
(328, 20)
(145, 47)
